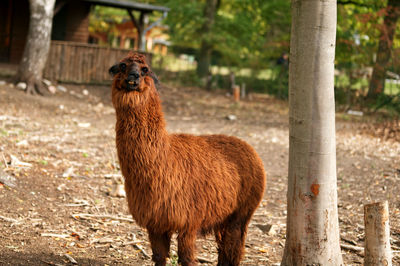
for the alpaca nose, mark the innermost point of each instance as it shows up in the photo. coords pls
(133, 75)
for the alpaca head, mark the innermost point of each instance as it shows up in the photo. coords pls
(133, 80)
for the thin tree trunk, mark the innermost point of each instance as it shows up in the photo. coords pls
(37, 45)
(312, 235)
(377, 82)
(206, 44)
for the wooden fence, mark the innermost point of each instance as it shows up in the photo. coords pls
(81, 62)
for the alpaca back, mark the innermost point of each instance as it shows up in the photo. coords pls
(212, 176)
(247, 165)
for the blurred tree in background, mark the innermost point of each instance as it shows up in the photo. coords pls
(387, 31)
(366, 53)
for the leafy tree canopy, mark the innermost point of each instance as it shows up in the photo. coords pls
(246, 32)
(253, 33)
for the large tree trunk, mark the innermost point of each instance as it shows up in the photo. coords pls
(206, 44)
(377, 82)
(37, 45)
(312, 234)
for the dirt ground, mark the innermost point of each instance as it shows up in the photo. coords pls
(58, 160)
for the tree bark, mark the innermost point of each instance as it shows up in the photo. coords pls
(377, 82)
(37, 45)
(312, 235)
(206, 44)
(377, 234)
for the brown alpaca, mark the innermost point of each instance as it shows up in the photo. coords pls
(179, 183)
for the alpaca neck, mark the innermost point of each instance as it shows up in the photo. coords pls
(141, 135)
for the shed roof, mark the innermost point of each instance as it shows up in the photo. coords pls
(129, 5)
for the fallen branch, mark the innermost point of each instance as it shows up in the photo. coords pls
(351, 247)
(54, 235)
(10, 220)
(15, 162)
(5, 161)
(75, 205)
(102, 241)
(204, 260)
(7, 180)
(352, 242)
(147, 256)
(71, 259)
(131, 243)
(101, 216)
(78, 203)
(48, 262)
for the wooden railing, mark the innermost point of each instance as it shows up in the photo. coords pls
(81, 62)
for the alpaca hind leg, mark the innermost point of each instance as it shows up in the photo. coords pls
(233, 240)
(187, 248)
(160, 244)
(219, 236)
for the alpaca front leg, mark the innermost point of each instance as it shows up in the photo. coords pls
(187, 248)
(160, 244)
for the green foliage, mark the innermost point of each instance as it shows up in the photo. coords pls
(390, 102)
(358, 34)
(43, 162)
(359, 31)
(180, 78)
(184, 20)
(103, 19)
(342, 81)
(4, 132)
(246, 32)
(174, 260)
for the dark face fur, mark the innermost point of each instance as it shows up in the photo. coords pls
(130, 73)
(133, 82)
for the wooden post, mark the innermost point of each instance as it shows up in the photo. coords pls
(122, 41)
(139, 26)
(377, 234)
(232, 80)
(143, 20)
(209, 81)
(236, 93)
(243, 91)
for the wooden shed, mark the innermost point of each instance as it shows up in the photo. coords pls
(70, 34)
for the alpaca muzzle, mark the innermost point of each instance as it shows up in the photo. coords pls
(132, 82)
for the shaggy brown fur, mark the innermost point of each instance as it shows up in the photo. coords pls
(179, 183)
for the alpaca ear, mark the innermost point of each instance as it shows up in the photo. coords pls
(114, 70)
(155, 79)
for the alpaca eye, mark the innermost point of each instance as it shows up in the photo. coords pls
(145, 70)
(122, 67)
